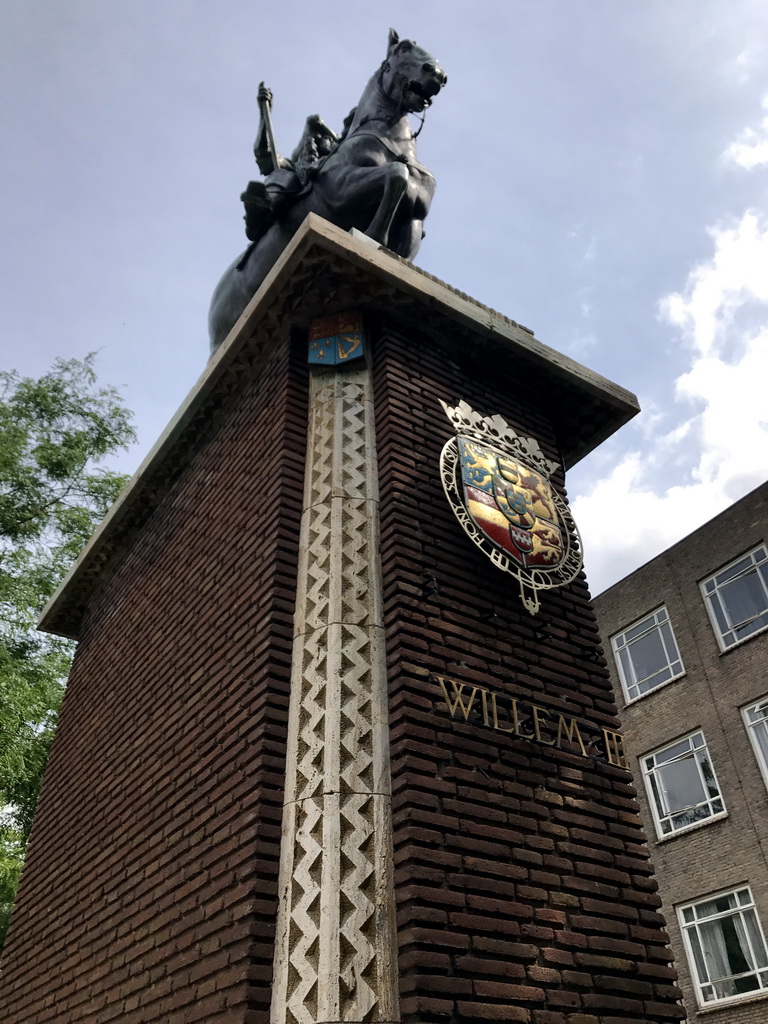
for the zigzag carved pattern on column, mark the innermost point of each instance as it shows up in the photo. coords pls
(354, 466)
(304, 926)
(335, 948)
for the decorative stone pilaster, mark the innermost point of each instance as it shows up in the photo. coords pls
(335, 949)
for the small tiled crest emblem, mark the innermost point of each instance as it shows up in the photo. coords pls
(336, 339)
(498, 486)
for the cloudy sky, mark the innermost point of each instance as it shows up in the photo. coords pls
(602, 175)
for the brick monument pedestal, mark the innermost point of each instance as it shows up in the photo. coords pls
(317, 760)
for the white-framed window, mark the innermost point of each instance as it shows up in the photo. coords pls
(725, 946)
(682, 785)
(737, 598)
(646, 655)
(756, 721)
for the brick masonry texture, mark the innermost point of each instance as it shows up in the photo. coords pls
(732, 851)
(150, 889)
(523, 886)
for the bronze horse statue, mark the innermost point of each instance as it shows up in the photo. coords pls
(368, 178)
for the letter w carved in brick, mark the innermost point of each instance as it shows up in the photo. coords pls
(458, 702)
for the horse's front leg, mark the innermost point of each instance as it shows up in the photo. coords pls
(395, 186)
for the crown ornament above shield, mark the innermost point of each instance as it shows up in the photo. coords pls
(498, 486)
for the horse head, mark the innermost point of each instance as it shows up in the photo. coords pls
(410, 75)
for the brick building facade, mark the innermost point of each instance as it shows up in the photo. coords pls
(687, 633)
(283, 619)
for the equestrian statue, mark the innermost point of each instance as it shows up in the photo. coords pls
(366, 178)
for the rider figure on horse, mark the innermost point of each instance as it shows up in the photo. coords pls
(285, 179)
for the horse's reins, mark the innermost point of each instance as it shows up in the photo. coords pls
(391, 122)
(396, 116)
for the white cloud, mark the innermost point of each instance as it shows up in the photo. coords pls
(581, 343)
(750, 149)
(744, 64)
(584, 296)
(719, 438)
(716, 290)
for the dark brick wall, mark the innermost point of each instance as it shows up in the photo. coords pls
(524, 890)
(150, 889)
(710, 695)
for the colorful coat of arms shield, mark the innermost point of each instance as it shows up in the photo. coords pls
(513, 505)
(499, 488)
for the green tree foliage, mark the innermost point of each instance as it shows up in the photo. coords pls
(54, 432)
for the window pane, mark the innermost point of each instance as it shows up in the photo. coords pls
(682, 784)
(722, 623)
(648, 656)
(733, 570)
(755, 938)
(709, 776)
(676, 750)
(748, 628)
(761, 738)
(656, 794)
(669, 641)
(689, 816)
(743, 599)
(758, 712)
(737, 986)
(635, 631)
(738, 598)
(625, 666)
(716, 950)
(654, 681)
(718, 905)
(740, 954)
(698, 956)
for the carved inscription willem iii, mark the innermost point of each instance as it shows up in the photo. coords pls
(493, 709)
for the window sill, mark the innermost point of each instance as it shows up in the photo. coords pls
(692, 828)
(732, 1001)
